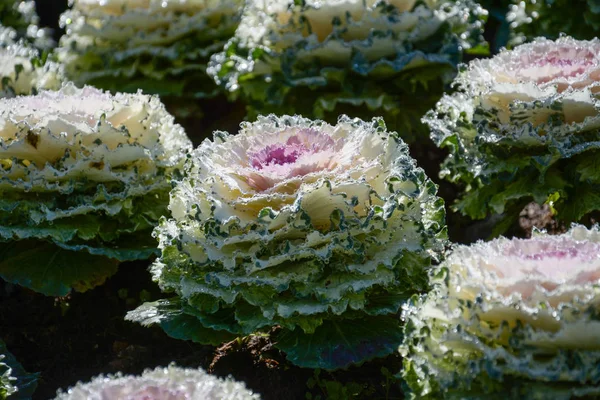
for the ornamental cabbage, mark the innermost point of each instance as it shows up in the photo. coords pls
(21, 16)
(523, 126)
(322, 230)
(509, 319)
(159, 46)
(21, 69)
(171, 383)
(83, 174)
(364, 58)
(14, 380)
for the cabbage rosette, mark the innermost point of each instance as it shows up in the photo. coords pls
(171, 383)
(324, 231)
(22, 71)
(17, 14)
(524, 126)
(21, 16)
(509, 319)
(364, 58)
(159, 46)
(15, 382)
(84, 175)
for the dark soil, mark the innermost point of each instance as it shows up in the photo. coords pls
(83, 335)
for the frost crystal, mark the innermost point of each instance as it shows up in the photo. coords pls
(171, 383)
(159, 46)
(83, 171)
(517, 317)
(368, 58)
(523, 126)
(299, 224)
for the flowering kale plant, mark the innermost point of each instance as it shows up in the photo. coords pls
(159, 46)
(14, 381)
(83, 174)
(21, 16)
(518, 318)
(524, 126)
(322, 230)
(365, 58)
(21, 69)
(171, 383)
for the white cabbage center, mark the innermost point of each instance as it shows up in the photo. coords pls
(530, 268)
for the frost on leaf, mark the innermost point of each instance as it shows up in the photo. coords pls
(171, 383)
(365, 58)
(159, 46)
(518, 317)
(523, 126)
(300, 224)
(82, 173)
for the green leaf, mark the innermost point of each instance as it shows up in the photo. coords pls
(136, 246)
(527, 187)
(508, 197)
(475, 203)
(340, 343)
(50, 270)
(125, 236)
(389, 303)
(582, 200)
(24, 382)
(589, 167)
(177, 322)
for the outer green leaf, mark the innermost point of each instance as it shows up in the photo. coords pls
(583, 200)
(588, 167)
(176, 323)
(48, 269)
(340, 343)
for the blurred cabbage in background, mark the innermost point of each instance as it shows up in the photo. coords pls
(22, 17)
(161, 47)
(390, 58)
